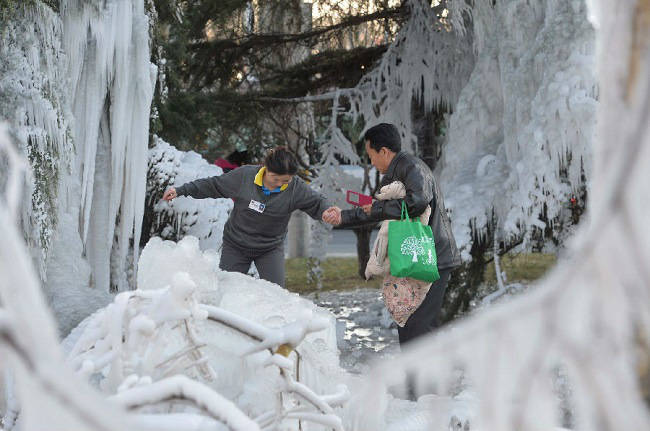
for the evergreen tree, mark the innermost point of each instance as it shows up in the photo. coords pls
(223, 63)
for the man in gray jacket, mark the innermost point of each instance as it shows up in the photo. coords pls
(383, 145)
(264, 199)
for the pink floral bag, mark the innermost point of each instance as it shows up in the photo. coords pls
(403, 296)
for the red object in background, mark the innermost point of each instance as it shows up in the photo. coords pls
(357, 199)
(225, 164)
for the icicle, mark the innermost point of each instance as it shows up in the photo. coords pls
(112, 87)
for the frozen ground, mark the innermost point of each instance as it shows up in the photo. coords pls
(365, 331)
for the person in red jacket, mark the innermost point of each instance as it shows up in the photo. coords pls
(232, 161)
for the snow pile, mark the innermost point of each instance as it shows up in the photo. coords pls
(206, 339)
(519, 140)
(201, 218)
(219, 330)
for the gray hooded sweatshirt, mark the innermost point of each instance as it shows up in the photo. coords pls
(257, 221)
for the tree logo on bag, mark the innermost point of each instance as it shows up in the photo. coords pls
(412, 246)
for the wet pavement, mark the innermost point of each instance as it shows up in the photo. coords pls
(365, 330)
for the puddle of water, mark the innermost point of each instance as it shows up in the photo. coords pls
(362, 332)
(344, 311)
(365, 338)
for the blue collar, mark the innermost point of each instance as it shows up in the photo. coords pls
(268, 192)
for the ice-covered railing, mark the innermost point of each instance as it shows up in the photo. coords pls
(589, 320)
(147, 350)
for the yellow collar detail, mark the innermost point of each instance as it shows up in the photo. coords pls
(260, 175)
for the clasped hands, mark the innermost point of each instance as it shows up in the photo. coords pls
(332, 215)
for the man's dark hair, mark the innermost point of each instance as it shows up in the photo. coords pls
(281, 161)
(383, 135)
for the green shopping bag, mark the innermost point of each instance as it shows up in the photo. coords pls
(411, 249)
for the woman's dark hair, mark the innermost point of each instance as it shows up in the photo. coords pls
(281, 161)
(383, 135)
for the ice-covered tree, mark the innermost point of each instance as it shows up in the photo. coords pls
(79, 86)
(588, 320)
(520, 87)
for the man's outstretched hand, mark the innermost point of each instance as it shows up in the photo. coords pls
(332, 215)
(170, 194)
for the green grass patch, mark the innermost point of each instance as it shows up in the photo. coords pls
(522, 267)
(339, 273)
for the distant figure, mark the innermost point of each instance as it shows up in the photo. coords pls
(232, 161)
(264, 199)
(384, 147)
(225, 165)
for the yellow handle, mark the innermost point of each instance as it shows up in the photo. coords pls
(284, 350)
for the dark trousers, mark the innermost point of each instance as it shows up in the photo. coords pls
(427, 317)
(270, 263)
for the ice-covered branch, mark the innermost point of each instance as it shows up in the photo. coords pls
(291, 334)
(264, 40)
(308, 395)
(331, 95)
(245, 326)
(176, 422)
(183, 388)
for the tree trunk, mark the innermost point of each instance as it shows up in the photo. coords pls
(298, 235)
(363, 247)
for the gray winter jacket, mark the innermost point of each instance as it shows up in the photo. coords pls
(247, 227)
(421, 190)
